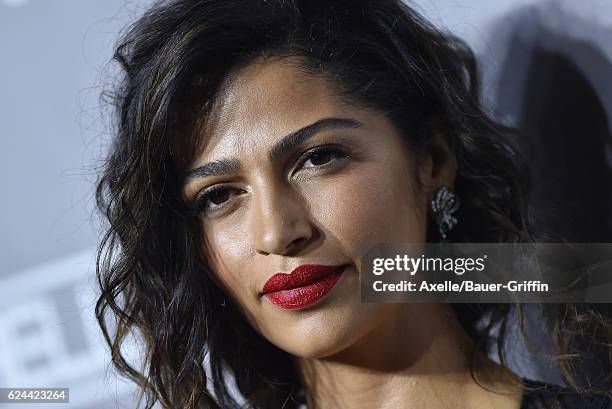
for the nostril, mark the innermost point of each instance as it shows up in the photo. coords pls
(295, 243)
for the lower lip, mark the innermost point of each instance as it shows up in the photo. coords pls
(305, 296)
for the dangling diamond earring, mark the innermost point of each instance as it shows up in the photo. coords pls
(443, 206)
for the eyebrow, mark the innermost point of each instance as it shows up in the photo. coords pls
(286, 144)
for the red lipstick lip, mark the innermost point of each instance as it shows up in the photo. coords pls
(302, 287)
(299, 277)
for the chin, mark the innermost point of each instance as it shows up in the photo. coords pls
(328, 331)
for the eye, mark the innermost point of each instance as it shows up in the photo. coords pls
(323, 156)
(213, 199)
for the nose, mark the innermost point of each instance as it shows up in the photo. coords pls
(280, 222)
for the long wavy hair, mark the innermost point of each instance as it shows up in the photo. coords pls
(155, 282)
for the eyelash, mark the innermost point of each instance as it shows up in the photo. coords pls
(200, 204)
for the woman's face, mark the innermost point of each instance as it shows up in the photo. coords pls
(302, 177)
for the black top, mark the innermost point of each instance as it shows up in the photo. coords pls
(539, 395)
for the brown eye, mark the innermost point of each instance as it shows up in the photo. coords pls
(322, 156)
(218, 197)
(318, 159)
(213, 199)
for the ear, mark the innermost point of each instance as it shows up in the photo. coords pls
(437, 163)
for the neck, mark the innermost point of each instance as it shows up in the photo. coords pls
(419, 359)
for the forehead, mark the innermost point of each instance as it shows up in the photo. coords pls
(263, 102)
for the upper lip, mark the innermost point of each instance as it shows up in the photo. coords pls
(300, 276)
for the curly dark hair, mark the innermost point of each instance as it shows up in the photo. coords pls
(156, 283)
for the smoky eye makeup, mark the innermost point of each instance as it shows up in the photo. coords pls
(320, 158)
(211, 198)
(330, 154)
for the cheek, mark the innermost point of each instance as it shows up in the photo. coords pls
(372, 206)
(226, 251)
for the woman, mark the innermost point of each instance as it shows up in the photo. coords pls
(260, 148)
